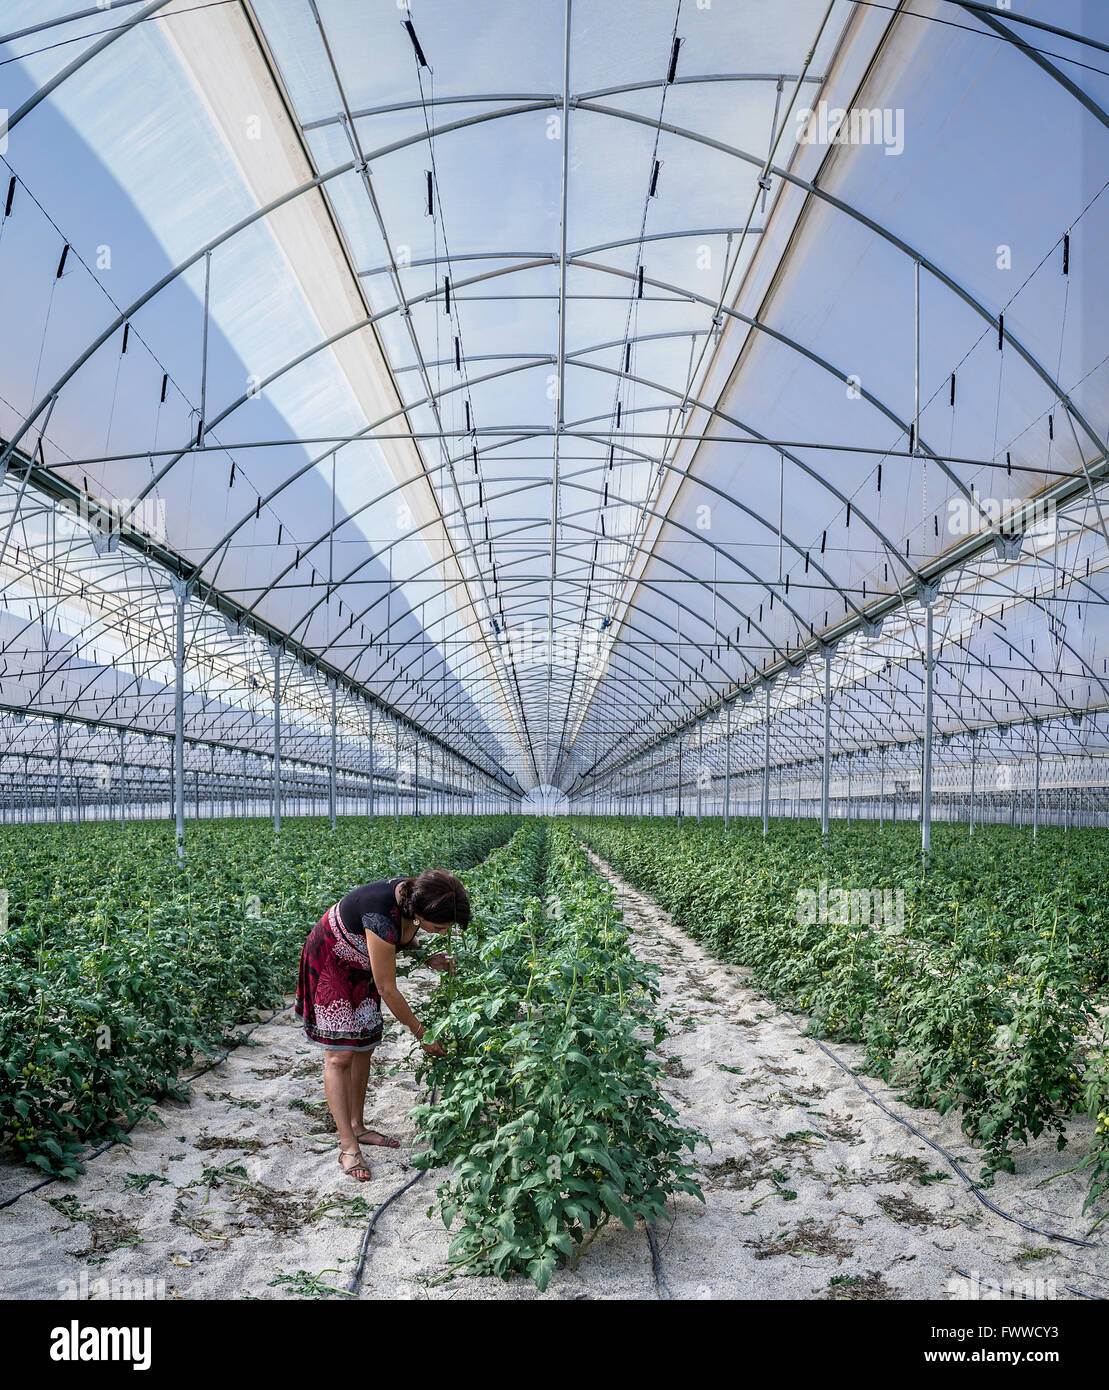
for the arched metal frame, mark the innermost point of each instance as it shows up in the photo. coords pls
(589, 102)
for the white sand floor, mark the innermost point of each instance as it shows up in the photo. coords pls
(811, 1191)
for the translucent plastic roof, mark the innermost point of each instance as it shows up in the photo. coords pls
(553, 373)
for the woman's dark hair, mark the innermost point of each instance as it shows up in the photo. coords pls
(437, 896)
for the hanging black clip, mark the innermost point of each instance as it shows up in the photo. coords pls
(420, 58)
(672, 71)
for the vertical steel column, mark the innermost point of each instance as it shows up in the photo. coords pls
(58, 773)
(244, 783)
(700, 764)
(373, 766)
(1036, 793)
(122, 770)
(973, 774)
(826, 776)
(849, 765)
(277, 741)
(416, 780)
(680, 743)
(882, 786)
(180, 593)
(333, 779)
(769, 684)
(727, 766)
(926, 773)
(204, 348)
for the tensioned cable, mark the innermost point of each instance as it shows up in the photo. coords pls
(625, 361)
(440, 224)
(1084, 40)
(97, 33)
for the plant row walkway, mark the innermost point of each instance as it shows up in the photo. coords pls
(810, 1191)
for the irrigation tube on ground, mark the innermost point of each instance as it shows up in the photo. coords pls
(103, 1149)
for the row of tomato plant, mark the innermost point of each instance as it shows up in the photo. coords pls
(120, 966)
(546, 1109)
(983, 993)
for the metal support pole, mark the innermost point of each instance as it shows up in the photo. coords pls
(396, 779)
(122, 769)
(826, 782)
(766, 768)
(373, 770)
(1036, 794)
(332, 784)
(848, 788)
(204, 348)
(727, 766)
(680, 743)
(700, 764)
(180, 593)
(916, 357)
(973, 774)
(926, 776)
(882, 786)
(416, 781)
(58, 773)
(276, 741)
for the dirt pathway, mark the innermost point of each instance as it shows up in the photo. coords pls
(813, 1192)
(220, 1196)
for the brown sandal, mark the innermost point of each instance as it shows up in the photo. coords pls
(356, 1168)
(381, 1141)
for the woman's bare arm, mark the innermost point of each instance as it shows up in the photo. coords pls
(383, 963)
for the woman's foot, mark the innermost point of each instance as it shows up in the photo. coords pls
(358, 1169)
(373, 1136)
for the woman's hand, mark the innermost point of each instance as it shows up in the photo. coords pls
(441, 961)
(434, 1049)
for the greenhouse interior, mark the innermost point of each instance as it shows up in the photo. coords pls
(622, 487)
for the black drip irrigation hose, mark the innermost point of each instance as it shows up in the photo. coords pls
(932, 1143)
(656, 1262)
(356, 1278)
(111, 1144)
(949, 1158)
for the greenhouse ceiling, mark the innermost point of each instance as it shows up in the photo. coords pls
(547, 377)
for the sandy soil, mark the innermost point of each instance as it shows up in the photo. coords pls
(809, 1182)
(812, 1192)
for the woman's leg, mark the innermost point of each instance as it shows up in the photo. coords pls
(337, 1073)
(359, 1081)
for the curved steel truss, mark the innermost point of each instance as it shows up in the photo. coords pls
(550, 518)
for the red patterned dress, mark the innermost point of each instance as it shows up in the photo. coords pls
(336, 995)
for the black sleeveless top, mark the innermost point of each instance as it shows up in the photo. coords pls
(373, 908)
